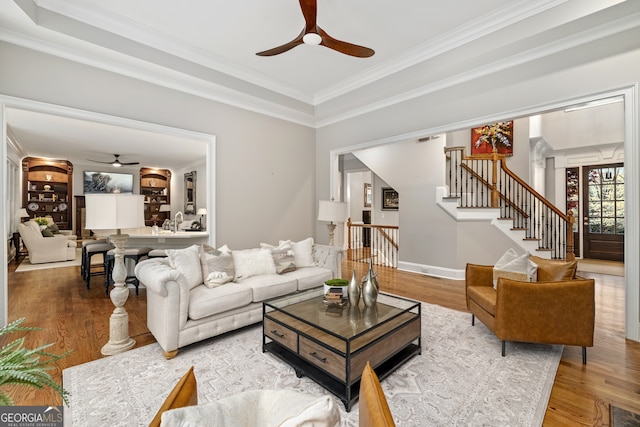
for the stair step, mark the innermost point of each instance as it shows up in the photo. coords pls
(519, 228)
(531, 239)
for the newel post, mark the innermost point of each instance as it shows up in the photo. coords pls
(349, 256)
(571, 220)
(495, 197)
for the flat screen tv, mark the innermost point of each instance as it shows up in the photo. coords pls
(107, 182)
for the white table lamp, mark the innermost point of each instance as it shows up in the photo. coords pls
(115, 212)
(22, 213)
(202, 212)
(334, 212)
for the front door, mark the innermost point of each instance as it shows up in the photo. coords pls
(603, 221)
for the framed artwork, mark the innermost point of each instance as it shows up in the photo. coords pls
(367, 195)
(389, 199)
(498, 135)
(107, 182)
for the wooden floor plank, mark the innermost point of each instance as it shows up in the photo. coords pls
(78, 318)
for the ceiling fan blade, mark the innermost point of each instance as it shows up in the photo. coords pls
(285, 47)
(98, 161)
(310, 12)
(116, 161)
(344, 47)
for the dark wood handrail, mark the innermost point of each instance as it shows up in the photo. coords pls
(507, 191)
(493, 187)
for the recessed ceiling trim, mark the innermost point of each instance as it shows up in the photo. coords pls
(611, 28)
(479, 27)
(104, 20)
(141, 70)
(100, 20)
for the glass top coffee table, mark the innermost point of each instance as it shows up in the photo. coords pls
(332, 344)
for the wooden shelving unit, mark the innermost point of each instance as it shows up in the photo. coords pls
(48, 189)
(155, 186)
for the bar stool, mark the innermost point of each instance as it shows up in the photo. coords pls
(90, 251)
(157, 253)
(83, 257)
(134, 254)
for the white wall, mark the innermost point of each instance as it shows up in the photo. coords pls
(265, 182)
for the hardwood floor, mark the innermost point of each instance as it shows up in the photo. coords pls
(76, 318)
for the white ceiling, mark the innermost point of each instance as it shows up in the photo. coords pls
(208, 47)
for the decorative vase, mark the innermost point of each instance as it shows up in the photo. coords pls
(353, 290)
(370, 287)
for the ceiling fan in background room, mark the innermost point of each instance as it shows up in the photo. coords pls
(314, 35)
(116, 163)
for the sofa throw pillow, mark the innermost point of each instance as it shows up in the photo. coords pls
(515, 267)
(554, 270)
(46, 232)
(252, 262)
(187, 262)
(282, 256)
(217, 265)
(302, 252)
(54, 228)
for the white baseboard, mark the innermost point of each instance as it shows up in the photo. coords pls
(432, 270)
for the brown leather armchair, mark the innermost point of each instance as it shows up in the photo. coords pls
(548, 311)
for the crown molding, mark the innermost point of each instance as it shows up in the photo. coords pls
(479, 27)
(101, 21)
(75, 50)
(151, 73)
(605, 30)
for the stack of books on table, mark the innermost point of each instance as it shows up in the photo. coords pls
(334, 295)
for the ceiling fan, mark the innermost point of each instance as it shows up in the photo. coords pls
(312, 34)
(116, 163)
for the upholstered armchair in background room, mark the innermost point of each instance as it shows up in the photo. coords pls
(46, 249)
(559, 308)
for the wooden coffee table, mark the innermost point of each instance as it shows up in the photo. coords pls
(332, 344)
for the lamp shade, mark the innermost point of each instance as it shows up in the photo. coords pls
(332, 211)
(201, 211)
(22, 213)
(114, 211)
(165, 208)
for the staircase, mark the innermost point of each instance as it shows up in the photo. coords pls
(481, 187)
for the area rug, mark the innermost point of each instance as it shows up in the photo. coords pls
(460, 379)
(25, 265)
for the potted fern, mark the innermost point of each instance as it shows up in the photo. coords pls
(28, 367)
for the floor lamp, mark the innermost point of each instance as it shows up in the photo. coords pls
(115, 212)
(334, 212)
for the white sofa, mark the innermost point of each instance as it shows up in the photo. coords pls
(184, 306)
(46, 249)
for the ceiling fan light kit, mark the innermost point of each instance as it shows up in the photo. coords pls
(312, 34)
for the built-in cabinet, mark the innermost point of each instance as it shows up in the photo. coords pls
(48, 189)
(155, 186)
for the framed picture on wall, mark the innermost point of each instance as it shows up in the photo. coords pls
(367, 195)
(389, 199)
(107, 182)
(498, 135)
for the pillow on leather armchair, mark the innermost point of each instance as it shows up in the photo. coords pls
(550, 270)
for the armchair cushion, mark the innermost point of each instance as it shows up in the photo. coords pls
(554, 270)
